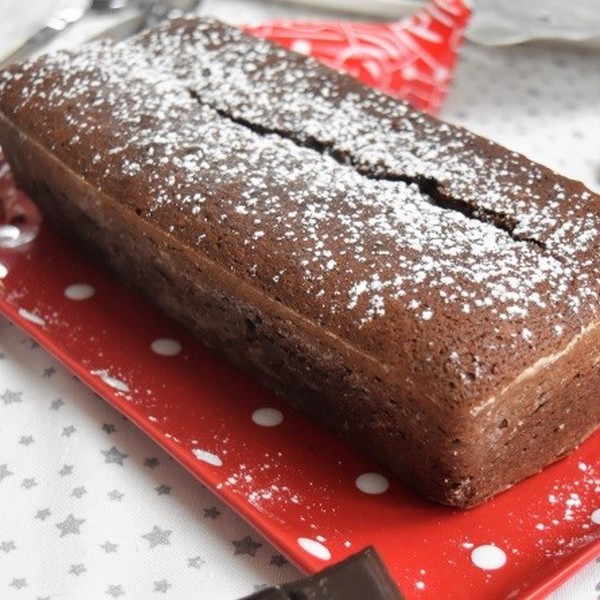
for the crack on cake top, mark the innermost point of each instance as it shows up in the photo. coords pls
(428, 186)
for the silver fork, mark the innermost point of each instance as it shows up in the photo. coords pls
(60, 21)
(150, 12)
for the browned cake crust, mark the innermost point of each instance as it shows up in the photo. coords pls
(426, 293)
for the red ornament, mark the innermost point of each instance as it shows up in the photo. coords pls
(412, 58)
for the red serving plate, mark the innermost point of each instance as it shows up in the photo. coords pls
(310, 494)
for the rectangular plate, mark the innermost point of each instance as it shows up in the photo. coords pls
(309, 493)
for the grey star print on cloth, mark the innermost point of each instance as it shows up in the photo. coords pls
(158, 536)
(70, 525)
(4, 472)
(114, 456)
(8, 397)
(90, 508)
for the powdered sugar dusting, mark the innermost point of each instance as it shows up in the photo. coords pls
(245, 481)
(567, 509)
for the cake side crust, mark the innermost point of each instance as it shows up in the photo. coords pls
(404, 317)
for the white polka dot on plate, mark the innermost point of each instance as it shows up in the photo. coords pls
(113, 382)
(372, 483)
(166, 347)
(32, 318)
(488, 557)
(314, 548)
(207, 457)
(3, 271)
(79, 291)
(267, 417)
(596, 516)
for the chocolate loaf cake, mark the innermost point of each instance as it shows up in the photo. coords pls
(428, 294)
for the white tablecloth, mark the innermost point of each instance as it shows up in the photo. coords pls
(90, 508)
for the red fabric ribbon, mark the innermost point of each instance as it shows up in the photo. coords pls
(413, 58)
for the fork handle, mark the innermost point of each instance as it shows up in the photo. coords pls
(39, 39)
